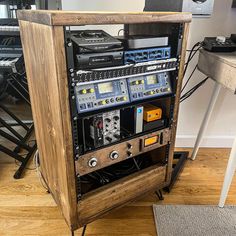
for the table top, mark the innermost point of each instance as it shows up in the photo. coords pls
(68, 18)
(220, 67)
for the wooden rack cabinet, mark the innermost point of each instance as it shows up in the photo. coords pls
(43, 39)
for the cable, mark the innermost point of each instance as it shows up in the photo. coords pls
(120, 31)
(37, 165)
(193, 90)
(192, 53)
(186, 83)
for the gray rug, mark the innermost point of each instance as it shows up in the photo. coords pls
(195, 220)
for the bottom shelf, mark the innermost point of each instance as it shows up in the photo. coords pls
(103, 199)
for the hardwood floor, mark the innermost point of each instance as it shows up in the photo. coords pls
(26, 208)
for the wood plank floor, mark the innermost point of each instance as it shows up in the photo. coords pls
(26, 209)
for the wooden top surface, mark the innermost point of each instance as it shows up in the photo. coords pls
(221, 67)
(67, 18)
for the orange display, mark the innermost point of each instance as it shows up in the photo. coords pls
(152, 113)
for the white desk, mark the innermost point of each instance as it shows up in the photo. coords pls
(221, 67)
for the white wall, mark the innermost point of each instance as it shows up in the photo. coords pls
(222, 126)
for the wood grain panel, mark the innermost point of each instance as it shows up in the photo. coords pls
(67, 18)
(47, 79)
(104, 159)
(120, 192)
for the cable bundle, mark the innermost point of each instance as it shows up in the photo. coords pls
(189, 93)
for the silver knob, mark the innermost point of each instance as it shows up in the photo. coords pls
(114, 155)
(93, 162)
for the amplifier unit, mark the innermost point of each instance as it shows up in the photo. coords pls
(90, 97)
(132, 42)
(136, 56)
(91, 41)
(149, 86)
(151, 67)
(103, 129)
(98, 60)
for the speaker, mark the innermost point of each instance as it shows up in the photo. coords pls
(196, 7)
(234, 4)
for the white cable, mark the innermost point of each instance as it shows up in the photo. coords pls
(37, 166)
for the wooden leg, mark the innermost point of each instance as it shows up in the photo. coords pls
(229, 174)
(206, 120)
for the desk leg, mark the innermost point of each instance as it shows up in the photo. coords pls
(206, 119)
(229, 174)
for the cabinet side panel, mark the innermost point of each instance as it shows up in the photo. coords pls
(44, 54)
(177, 100)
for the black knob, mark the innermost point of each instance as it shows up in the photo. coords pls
(116, 118)
(93, 162)
(117, 136)
(114, 155)
(129, 154)
(130, 146)
(109, 139)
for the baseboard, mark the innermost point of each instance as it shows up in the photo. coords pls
(208, 141)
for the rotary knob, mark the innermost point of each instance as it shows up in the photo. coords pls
(130, 154)
(93, 162)
(114, 155)
(130, 146)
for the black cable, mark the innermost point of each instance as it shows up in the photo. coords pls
(192, 53)
(186, 83)
(193, 90)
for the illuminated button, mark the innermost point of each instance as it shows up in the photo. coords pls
(124, 99)
(84, 91)
(150, 93)
(102, 102)
(168, 89)
(135, 82)
(141, 81)
(91, 90)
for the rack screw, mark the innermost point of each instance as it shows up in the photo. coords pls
(71, 70)
(69, 44)
(73, 97)
(75, 118)
(73, 84)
